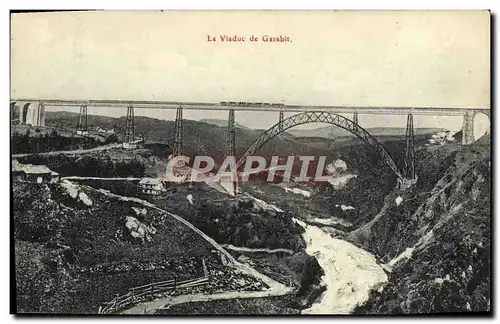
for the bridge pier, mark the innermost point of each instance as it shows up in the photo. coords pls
(409, 160)
(82, 127)
(13, 115)
(178, 133)
(404, 184)
(229, 180)
(23, 112)
(129, 140)
(281, 118)
(30, 113)
(230, 135)
(41, 114)
(468, 128)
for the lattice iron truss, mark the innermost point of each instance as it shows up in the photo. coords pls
(178, 133)
(230, 137)
(409, 160)
(281, 118)
(130, 125)
(82, 119)
(320, 117)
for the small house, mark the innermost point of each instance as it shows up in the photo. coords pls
(33, 173)
(82, 132)
(37, 173)
(150, 186)
(129, 146)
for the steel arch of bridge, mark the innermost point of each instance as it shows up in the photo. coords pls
(320, 117)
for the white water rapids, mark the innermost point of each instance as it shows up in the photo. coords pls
(350, 272)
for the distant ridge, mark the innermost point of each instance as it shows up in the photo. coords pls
(221, 123)
(332, 132)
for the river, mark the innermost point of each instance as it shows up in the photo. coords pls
(350, 272)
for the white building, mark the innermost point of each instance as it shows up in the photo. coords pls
(129, 146)
(441, 138)
(150, 186)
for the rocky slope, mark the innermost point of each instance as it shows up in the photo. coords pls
(436, 243)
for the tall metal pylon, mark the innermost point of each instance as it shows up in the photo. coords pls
(281, 118)
(230, 138)
(356, 118)
(130, 125)
(82, 119)
(230, 146)
(409, 167)
(178, 133)
(468, 128)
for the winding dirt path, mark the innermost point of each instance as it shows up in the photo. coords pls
(275, 288)
(256, 250)
(95, 149)
(152, 306)
(99, 178)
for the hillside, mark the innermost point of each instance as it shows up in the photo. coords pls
(208, 136)
(437, 243)
(333, 132)
(76, 247)
(199, 137)
(65, 119)
(241, 222)
(372, 181)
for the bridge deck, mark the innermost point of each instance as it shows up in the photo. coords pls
(436, 111)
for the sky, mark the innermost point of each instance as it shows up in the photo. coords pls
(383, 58)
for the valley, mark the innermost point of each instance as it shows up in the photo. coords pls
(326, 249)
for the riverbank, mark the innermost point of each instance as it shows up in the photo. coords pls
(350, 272)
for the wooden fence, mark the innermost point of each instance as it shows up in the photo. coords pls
(134, 293)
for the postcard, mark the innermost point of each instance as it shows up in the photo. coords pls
(251, 162)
